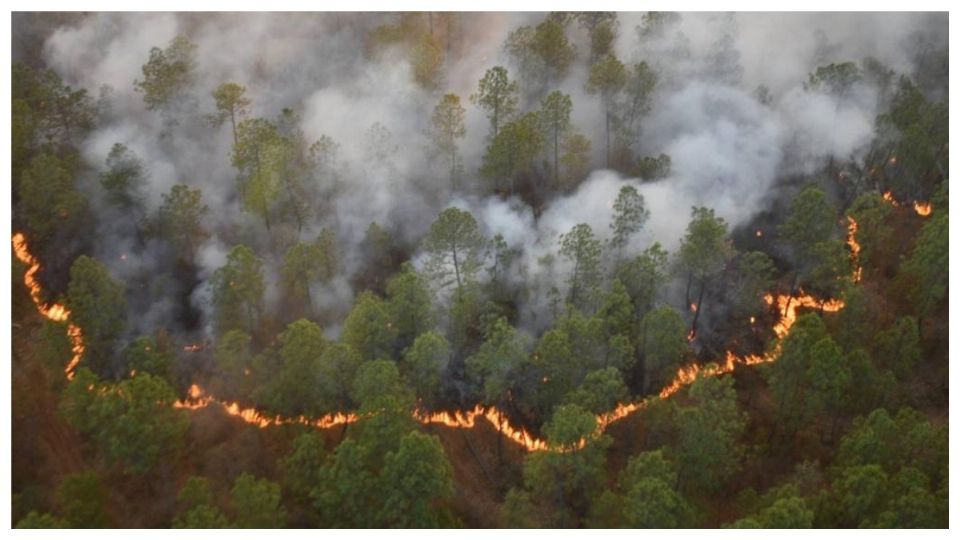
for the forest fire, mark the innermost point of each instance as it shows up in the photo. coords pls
(922, 209)
(54, 312)
(198, 398)
(854, 249)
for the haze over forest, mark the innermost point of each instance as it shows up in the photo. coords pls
(481, 269)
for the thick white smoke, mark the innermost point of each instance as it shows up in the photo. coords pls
(728, 149)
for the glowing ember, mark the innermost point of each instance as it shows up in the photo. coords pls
(53, 312)
(193, 347)
(759, 233)
(922, 209)
(693, 308)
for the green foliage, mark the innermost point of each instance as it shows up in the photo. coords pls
(809, 225)
(97, 305)
(153, 355)
(755, 273)
(202, 517)
(494, 366)
(555, 112)
(455, 246)
(448, 126)
(629, 216)
(307, 263)
(409, 305)
(644, 276)
(836, 79)
(708, 449)
(704, 250)
(296, 388)
(45, 110)
(898, 347)
(915, 133)
(198, 510)
(575, 158)
(302, 466)
(347, 493)
(124, 179)
(369, 328)
(513, 153)
(582, 249)
(663, 345)
(234, 358)
(167, 73)
(908, 438)
(567, 481)
(636, 101)
(378, 383)
(49, 202)
(231, 103)
(874, 233)
(928, 265)
(238, 288)
(427, 61)
(262, 157)
(83, 501)
(256, 503)
(181, 220)
(132, 422)
(338, 365)
(789, 377)
(785, 513)
(424, 364)
(417, 484)
(608, 76)
(554, 50)
(600, 391)
(36, 520)
(653, 168)
(497, 95)
(518, 511)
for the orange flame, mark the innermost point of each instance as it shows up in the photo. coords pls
(193, 347)
(922, 209)
(53, 312)
(854, 248)
(759, 233)
(693, 308)
(197, 398)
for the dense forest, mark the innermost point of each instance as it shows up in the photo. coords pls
(479, 270)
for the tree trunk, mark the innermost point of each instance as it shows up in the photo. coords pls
(233, 124)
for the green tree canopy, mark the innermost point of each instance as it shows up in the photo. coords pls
(97, 305)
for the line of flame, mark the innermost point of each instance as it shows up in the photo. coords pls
(922, 209)
(53, 312)
(197, 398)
